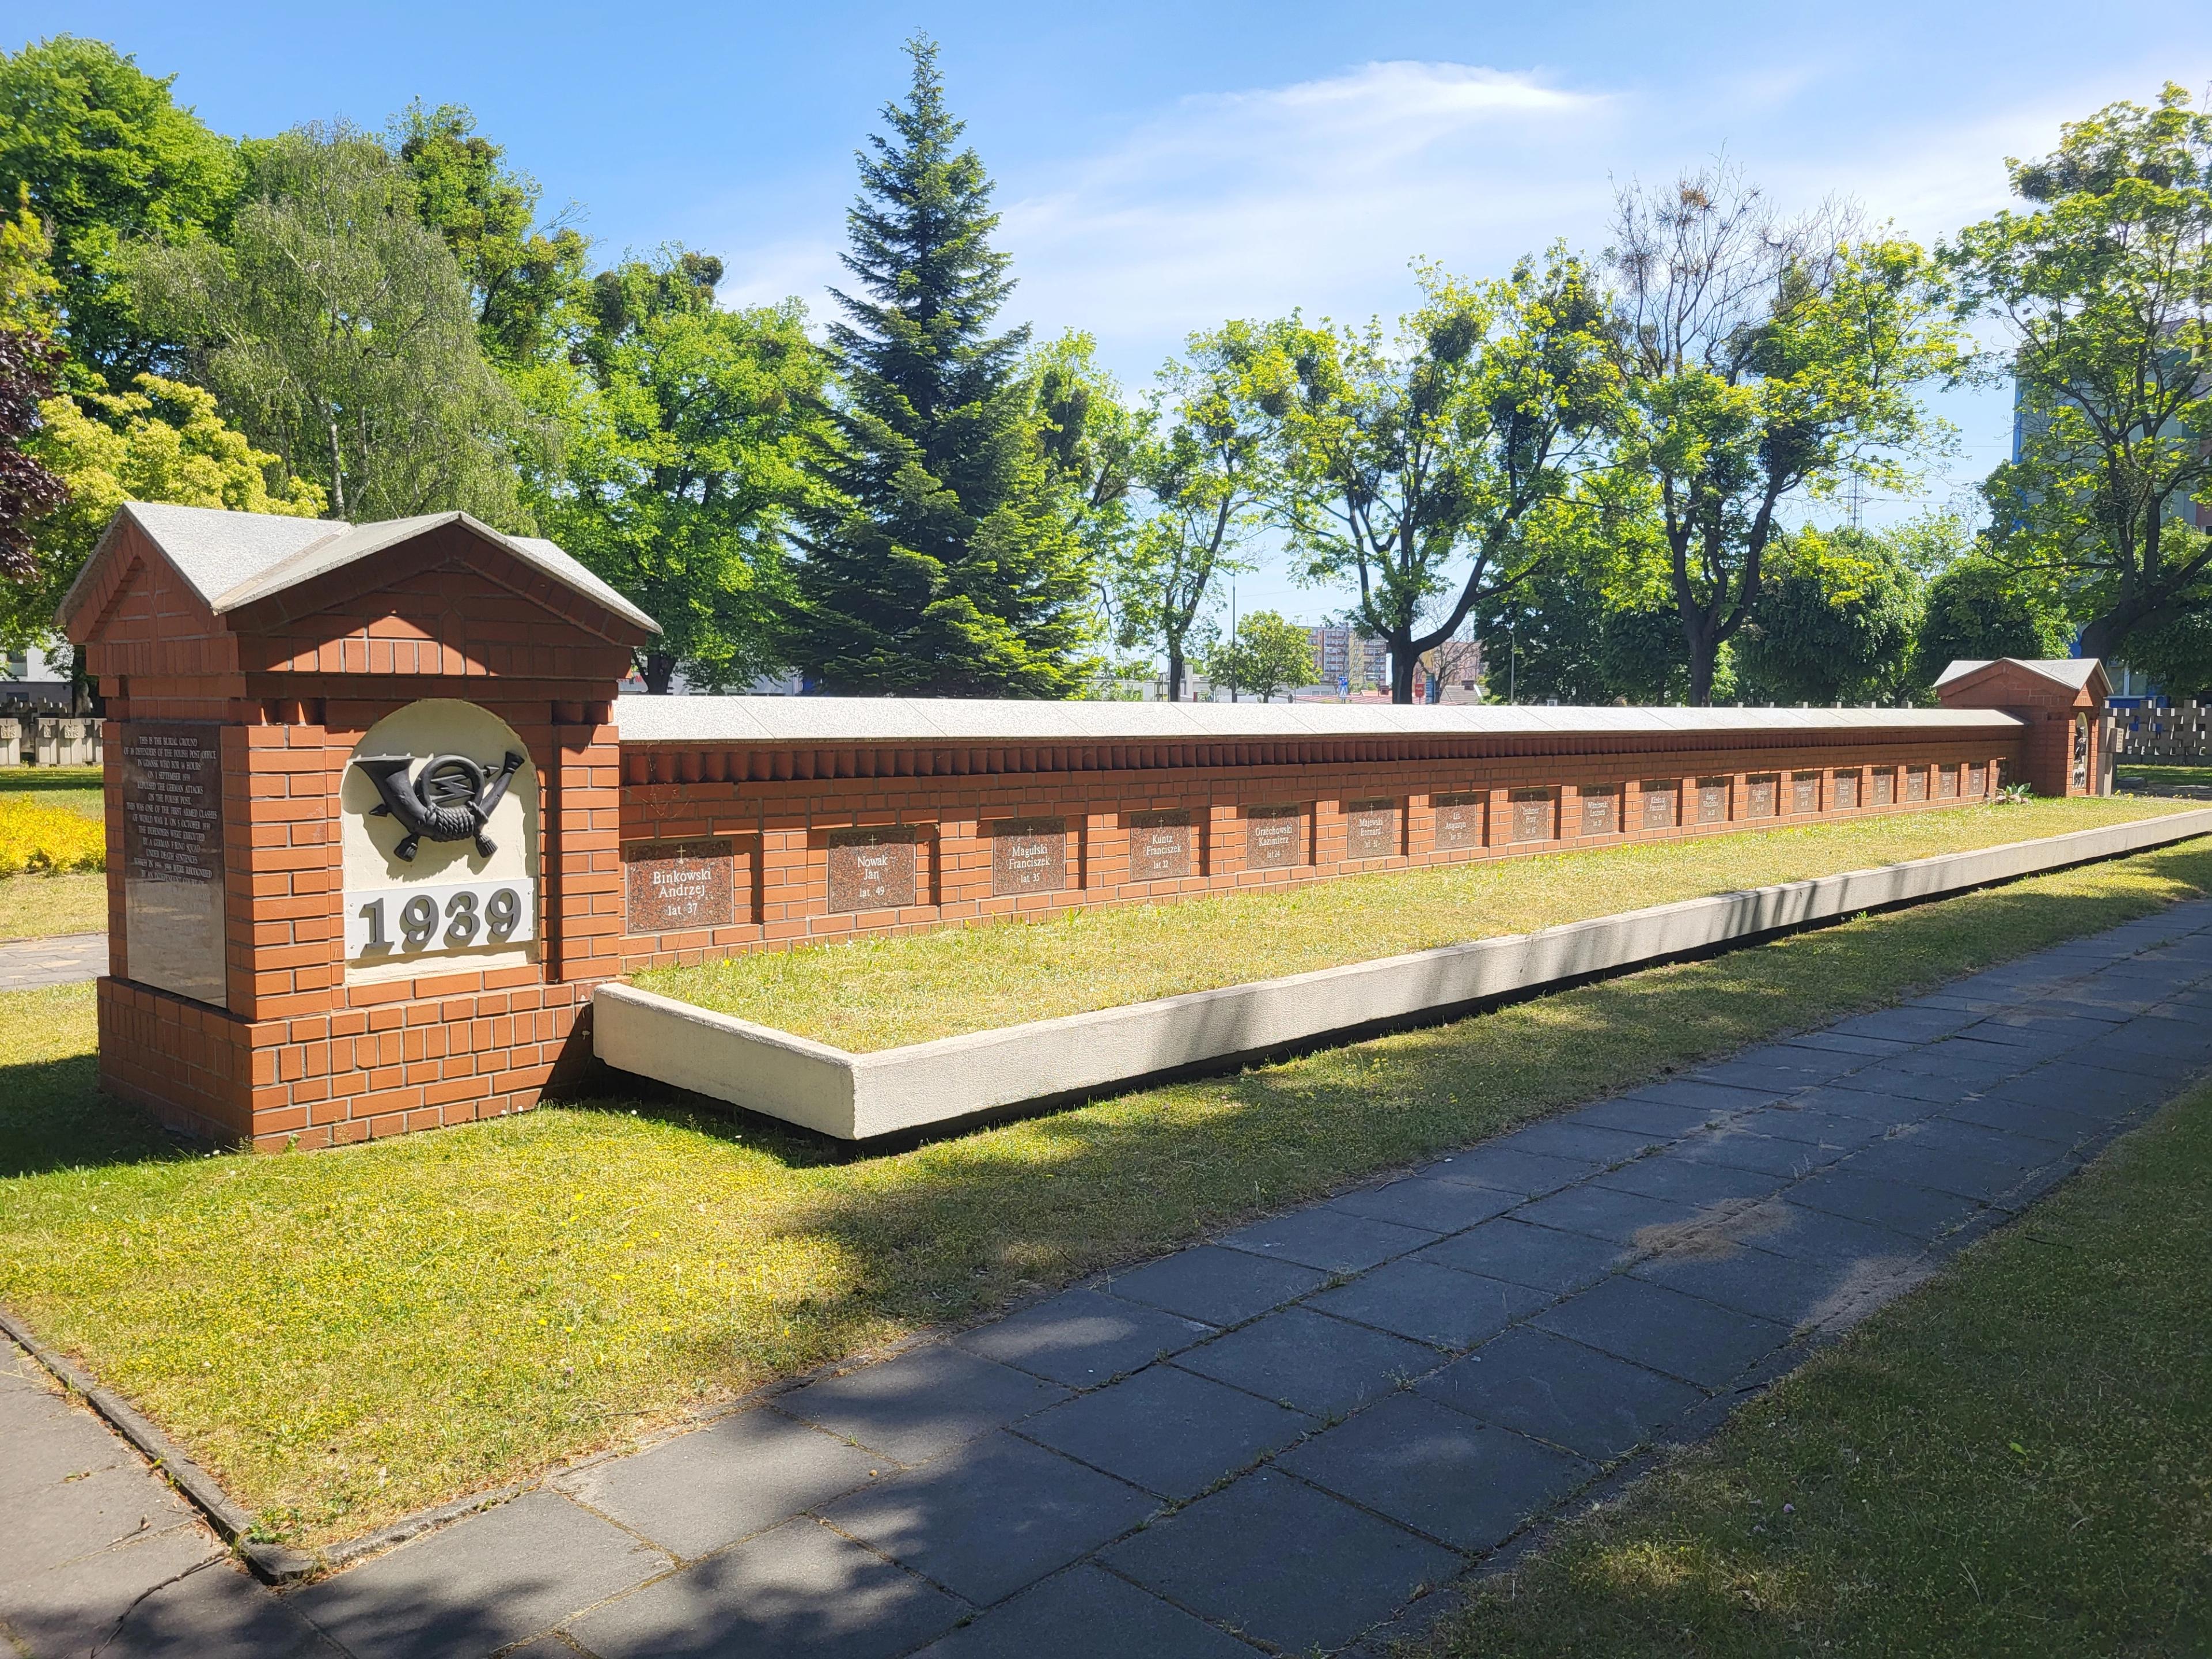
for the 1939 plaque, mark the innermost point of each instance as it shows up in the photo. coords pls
(1163, 846)
(872, 869)
(1532, 814)
(1661, 803)
(172, 857)
(670, 884)
(1028, 855)
(1370, 828)
(1459, 820)
(1274, 837)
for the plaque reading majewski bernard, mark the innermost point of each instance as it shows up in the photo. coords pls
(172, 862)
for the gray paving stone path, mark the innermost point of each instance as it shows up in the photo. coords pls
(25, 964)
(1275, 1441)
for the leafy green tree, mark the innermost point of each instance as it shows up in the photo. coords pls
(336, 333)
(1207, 479)
(2104, 285)
(1979, 608)
(684, 438)
(1411, 469)
(1762, 358)
(1264, 656)
(523, 277)
(108, 156)
(939, 556)
(29, 359)
(1835, 622)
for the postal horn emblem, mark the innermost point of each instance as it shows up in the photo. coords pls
(451, 799)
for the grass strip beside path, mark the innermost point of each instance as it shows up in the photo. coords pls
(342, 1337)
(36, 907)
(868, 994)
(2016, 1460)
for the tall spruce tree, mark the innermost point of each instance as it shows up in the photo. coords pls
(937, 558)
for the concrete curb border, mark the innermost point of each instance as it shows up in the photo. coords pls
(274, 1564)
(858, 1096)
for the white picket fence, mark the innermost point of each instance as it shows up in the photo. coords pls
(2182, 732)
(49, 740)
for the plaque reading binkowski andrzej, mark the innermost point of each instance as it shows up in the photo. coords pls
(670, 884)
(172, 858)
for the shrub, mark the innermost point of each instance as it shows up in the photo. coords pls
(50, 840)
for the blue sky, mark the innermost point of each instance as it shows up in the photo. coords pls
(1162, 167)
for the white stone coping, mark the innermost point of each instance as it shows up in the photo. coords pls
(927, 720)
(854, 1097)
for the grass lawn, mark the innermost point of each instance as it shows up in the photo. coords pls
(2155, 773)
(2016, 1460)
(34, 906)
(77, 787)
(344, 1336)
(877, 993)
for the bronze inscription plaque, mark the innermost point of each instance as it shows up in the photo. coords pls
(1712, 801)
(872, 869)
(1661, 803)
(1532, 814)
(1601, 812)
(1028, 855)
(1805, 792)
(1884, 788)
(668, 884)
(1916, 783)
(1274, 837)
(1847, 790)
(1459, 820)
(1371, 830)
(1758, 795)
(172, 858)
(1163, 846)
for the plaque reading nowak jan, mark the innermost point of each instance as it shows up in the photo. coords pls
(172, 858)
(1163, 846)
(1274, 837)
(671, 884)
(1028, 855)
(871, 869)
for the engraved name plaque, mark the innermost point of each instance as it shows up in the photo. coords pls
(668, 884)
(1946, 782)
(871, 869)
(1371, 830)
(1661, 803)
(1885, 786)
(1532, 814)
(1459, 820)
(1978, 781)
(1274, 837)
(1712, 801)
(1601, 812)
(1028, 855)
(1916, 783)
(1805, 792)
(173, 861)
(1847, 790)
(1163, 846)
(1759, 793)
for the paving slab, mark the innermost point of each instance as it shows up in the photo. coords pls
(479, 1584)
(30, 964)
(1334, 1240)
(1463, 1483)
(1083, 1338)
(1766, 1155)
(1310, 1362)
(1428, 1301)
(1605, 1213)
(742, 1475)
(1222, 1287)
(1542, 1258)
(1684, 1336)
(1426, 1201)
(799, 1592)
(1526, 1173)
(1281, 1561)
(992, 1517)
(1688, 1181)
(70, 1609)
(922, 1403)
(1087, 1614)
(1560, 1392)
(218, 1609)
(1915, 1212)
(1663, 1120)
(1169, 1430)
(1562, 1138)
(1792, 1291)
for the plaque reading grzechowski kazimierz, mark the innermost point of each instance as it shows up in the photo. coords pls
(172, 858)
(1274, 837)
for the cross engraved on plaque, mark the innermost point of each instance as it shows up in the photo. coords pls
(1601, 812)
(667, 884)
(1370, 828)
(1459, 820)
(871, 869)
(1916, 783)
(1712, 801)
(1946, 783)
(1847, 790)
(1163, 846)
(1760, 792)
(1805, 792)
(1533, 813)
(1028, 855)
(1662, 803)
(1274, 837)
